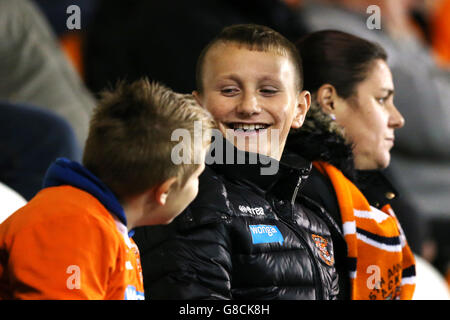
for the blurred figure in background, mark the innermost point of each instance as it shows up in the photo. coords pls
(71, 40)
(162, 39)
(11, 201)
(56, 13)
(439, 17)
(421, 157)
(34, 69)
(44, 105)
(31, 139)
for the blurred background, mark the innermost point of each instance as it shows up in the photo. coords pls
(54, 61)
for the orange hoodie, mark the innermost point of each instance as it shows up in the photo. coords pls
(64, 244)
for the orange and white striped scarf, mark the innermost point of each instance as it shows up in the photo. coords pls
(381, 264)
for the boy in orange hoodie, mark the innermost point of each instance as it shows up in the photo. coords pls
(73, 239)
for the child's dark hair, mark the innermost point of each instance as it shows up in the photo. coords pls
(253, 37)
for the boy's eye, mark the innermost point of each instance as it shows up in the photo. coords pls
(229, 91)
(268, 91)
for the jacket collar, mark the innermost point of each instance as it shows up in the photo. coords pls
(320, 139)
(66, 172)
(377, 189)
(259, 171)
(323, 146)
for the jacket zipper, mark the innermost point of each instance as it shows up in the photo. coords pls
(316, 272)
(304, 173)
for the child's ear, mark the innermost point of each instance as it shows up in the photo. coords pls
(197, 97)
(163, 189)
(304, 102)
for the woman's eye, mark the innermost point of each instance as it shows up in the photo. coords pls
(382, 100)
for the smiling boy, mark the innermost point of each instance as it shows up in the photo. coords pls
(247, 235)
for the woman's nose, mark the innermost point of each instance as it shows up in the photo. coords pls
(396, 119)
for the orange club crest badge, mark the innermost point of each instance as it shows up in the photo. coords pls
(322, 244)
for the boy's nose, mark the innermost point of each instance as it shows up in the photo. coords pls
(248, 105)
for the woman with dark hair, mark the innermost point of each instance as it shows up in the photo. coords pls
(348, 134)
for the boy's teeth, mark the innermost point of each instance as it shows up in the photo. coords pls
(248, 126)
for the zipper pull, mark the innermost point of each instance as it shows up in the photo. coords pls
(304, 174)
(297, 187)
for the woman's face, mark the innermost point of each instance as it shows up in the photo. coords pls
(253, 96)
(370, 118)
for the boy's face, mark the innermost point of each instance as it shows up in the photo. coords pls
(178, 198)
(252, 94)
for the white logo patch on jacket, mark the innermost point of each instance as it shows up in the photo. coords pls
(258, 211)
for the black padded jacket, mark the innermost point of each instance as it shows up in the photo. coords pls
(245, 236)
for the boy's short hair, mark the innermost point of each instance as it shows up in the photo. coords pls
(129, 145)
(253, 37)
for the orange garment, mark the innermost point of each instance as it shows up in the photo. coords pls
(440, 31)
(71, 43)
(447, 277)
(64, 244)
(383, 264)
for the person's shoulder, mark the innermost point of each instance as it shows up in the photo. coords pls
(317, 186)
(210, 176)
(67, 200)
(62, 230)
(210, 209)
(212, 203)
(211, 189)
(319, 191)
(63, 207)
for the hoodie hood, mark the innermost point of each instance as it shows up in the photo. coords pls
(65, 172)
(321, 139)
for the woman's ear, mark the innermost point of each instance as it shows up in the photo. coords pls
(326, 96)
(304, 102)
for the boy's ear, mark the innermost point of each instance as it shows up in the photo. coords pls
(163, 189)
(325, 97)
(197, 97)
(304, 102)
